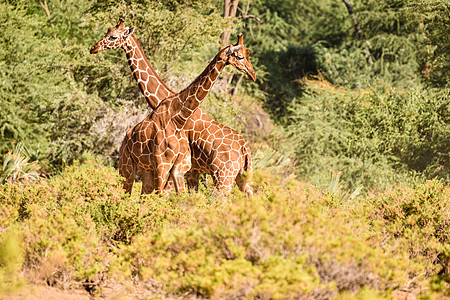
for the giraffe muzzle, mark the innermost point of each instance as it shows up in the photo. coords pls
(251, 75)
(94, 49)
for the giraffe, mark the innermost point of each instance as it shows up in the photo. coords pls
(216, 149)
(159, 142)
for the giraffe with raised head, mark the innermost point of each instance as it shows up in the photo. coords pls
(216, 149)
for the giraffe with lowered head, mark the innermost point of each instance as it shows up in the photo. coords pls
(216, 148)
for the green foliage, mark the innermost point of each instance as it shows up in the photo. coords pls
(301, 38)
(434, 21)
(374, 137)
(39, 96)
(10, 262)
(54, 94)
(17, 168)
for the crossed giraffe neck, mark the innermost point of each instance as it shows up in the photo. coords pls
(190, 98)
(150, 84)
(148, 80)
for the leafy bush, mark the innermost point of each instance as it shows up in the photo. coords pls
(374, 137)
(10, 263)
(418, 215)
(275, 245)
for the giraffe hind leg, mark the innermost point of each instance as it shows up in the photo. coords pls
(243, 183)
(192, 179)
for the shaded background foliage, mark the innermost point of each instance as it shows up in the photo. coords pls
(59, 100)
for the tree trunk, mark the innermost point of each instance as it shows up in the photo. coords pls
(358, 31)
(229, 11)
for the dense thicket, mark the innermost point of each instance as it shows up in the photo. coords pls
(390, 121)
(79, 230)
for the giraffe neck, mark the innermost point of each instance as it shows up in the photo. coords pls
(190, 98)
(151, 86)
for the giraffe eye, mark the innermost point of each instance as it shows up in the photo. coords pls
(240, 57)
(113, 38)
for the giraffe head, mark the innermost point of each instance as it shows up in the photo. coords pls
(237, 56)
(116, 37)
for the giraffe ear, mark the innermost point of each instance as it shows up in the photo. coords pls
(128, 32)
(120, 23)
(240, 39)
(233, 49)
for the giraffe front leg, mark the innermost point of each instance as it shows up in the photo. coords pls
(147, 177)
(243, 181)
(127, 169)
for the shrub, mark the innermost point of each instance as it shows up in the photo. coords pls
(418, 217)
(374, 137)
(289, 240)
(278, 244)
(10, 262)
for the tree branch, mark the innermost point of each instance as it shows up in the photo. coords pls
(249, 17)
(45, 8)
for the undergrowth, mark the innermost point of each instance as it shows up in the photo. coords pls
(291, 240)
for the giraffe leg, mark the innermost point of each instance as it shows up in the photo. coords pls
(127, 168)
(181, 165)
(243, 182)
(172, 184)
(147, 181)
(222, 184)
(192, 179)
(162, 178)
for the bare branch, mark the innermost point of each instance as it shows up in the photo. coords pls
(249, 17)
(45, 8)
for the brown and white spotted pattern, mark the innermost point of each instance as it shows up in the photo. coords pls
(216, 149)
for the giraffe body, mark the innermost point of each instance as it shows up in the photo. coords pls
(216, 149)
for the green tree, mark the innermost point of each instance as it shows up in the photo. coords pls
(433, 19)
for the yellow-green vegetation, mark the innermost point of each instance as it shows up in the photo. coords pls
(290, 240)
